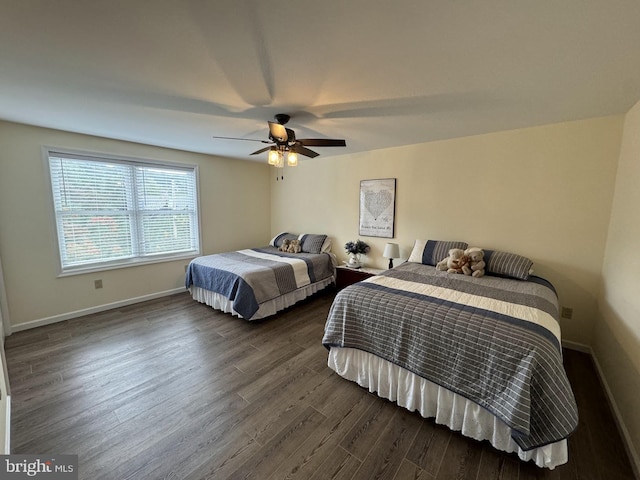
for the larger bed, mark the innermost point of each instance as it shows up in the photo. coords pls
(259, 282)
(481, 355)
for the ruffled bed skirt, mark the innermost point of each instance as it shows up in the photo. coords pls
(271, 307)
(415, 393)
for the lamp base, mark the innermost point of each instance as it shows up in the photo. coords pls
(390, 263)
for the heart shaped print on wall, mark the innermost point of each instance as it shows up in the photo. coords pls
(377, 202)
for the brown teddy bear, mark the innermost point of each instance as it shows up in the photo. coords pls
(284, 247)
(294, 246)
(454, 263)
(458, 265)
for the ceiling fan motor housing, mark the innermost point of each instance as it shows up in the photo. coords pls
(282, 118)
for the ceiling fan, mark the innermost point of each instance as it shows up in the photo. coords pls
(284, 139)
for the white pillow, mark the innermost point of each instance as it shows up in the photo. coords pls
(430, 252)
(416, 253)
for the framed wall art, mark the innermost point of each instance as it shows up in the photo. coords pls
(377, 207)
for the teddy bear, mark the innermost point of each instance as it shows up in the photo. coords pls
(454, 254)
(458, 265)
(454, 263)
(294, 246)
(284, 247)
(476, 262)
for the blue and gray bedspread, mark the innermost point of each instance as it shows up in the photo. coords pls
(495, 341)
(253, 276)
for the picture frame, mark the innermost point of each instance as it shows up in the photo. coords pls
(377, 207)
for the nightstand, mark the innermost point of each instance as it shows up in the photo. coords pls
(346, 276)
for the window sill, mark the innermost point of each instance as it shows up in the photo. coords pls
(138, 262)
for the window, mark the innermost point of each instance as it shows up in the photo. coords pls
(113, 212)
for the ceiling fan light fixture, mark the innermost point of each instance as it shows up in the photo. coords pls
(284, 142)
(292, 159)
(273, 156)
(278, 158)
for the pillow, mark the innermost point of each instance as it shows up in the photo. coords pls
(277, 240)
(312, 243)
(509, 265)
(430, 252)
(326, 246)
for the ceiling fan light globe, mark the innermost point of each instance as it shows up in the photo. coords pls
(273, 157)
(292, 159)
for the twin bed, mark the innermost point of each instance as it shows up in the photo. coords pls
(480, 355)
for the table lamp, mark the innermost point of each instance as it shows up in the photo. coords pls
(391, 251)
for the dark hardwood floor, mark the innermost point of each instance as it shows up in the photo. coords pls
(171, 389)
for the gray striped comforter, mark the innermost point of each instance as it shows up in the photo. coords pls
(253, 276)
(495, 341)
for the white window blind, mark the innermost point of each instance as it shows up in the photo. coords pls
(113, 212)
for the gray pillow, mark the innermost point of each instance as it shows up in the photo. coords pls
(312, 243)
(277, 240)
(509, 265)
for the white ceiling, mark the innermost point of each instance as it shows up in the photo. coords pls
(376, 73)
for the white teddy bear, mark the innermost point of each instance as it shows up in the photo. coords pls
(476, 263)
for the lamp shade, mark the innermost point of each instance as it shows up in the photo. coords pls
(391, 250)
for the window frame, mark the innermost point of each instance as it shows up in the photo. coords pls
(137, 260)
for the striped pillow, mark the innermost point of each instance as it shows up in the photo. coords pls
(510, 265)
(430, 252)
(312, 243)
(277, 240)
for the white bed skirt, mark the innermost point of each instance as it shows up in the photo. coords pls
(271, 307)
(415, 393)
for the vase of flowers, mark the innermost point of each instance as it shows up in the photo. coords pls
(355, 250)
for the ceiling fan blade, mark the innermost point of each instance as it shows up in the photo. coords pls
(245, 139)
(302, 150)
(322, 142)
(278, 132)
(265, 149)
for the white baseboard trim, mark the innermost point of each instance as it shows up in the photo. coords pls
(580, 347)
(87, 311)
(628, 444)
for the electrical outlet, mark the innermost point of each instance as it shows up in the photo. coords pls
(566, 312)
(97, 284)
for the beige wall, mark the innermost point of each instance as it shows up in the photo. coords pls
(543, 192)
(617, 337)
(231, 218)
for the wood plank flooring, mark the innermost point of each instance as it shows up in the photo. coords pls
(172, 389)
